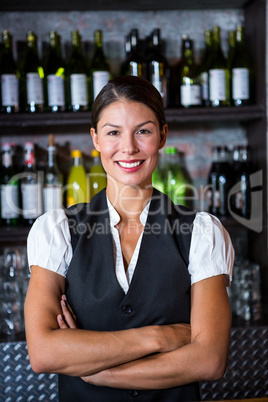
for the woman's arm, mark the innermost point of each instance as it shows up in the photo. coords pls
(80, 352)
(203, 359)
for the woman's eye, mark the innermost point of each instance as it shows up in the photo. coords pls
(113, 133)
(143, 131)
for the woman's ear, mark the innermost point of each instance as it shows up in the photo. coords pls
(163, 136)
(95, 138)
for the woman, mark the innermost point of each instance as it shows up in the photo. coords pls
(134, 272)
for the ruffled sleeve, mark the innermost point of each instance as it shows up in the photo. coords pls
(49, 242)
(211, 250)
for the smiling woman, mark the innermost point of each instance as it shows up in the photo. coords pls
(135, 304)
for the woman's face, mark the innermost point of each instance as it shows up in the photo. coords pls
(129, 138)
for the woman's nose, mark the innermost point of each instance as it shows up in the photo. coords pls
(129, 145)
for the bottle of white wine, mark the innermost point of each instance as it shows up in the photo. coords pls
(78, 76)
(33, 77)
(158, 67)
(241, 71)
(218, 74)
(100, 70)
(204, 68)
(9, 77)
(190, 88)
(55, 75)
(136, 64)
(52, 190)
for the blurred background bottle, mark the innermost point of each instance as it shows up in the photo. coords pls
(30, 187)
(219, 182)
(78, 76)
(9, 189)
(97, 175)
(204, 67)
(136, 64)
(77, 183)
(157, 178)
(53, 182)
(241, 71)
(55, 75)
(158, 67)
(32, 77)
(173, 176)
(9, 75)
(218, 76)
(190, 89)
(100, 70)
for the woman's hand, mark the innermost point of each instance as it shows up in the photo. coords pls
(67, 319)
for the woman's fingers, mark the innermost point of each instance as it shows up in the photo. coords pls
(68, 315)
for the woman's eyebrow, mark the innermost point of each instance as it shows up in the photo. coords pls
(137, 126)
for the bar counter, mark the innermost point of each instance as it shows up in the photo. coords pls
(246, 376)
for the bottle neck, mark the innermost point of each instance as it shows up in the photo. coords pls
(7, 159)
(77, 161)
(29, 158)
(51, 156)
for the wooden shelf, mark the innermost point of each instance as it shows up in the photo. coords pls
(102, 5)
(191, 115)
(11, 235)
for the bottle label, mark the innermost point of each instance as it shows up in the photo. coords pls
(52, 197)
(204, 86)
(9, 201)
(31, 200)
(135, 69)
(240, 86)
(55, 90)
(100, 79)
(217, 84)
(79, 89)
(34, 89)
(190, 95)
(10, 90)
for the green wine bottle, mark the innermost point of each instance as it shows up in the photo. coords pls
(158, 67)
(203, 69)
(190, 88)
(78, 76)
(241, 71)
(55, 75)
(136, 64)
(230, 58)
(9, 77)
(100, 70)
(218, 73)
(33, 77)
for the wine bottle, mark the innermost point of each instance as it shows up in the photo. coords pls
(158, 67)
(190, 88)
(241, 200)
(33, 77)
(204, 68)
(124, 66)
(52, 191)
(77, 183)
(218, 76)
(241, 71)
(55, 75)
(173, 176)
(78, 76)
(136, 64)
(9, 189)
(97, 175)
(9, 73)
(230, 58)
(30, 187)
(100, 70)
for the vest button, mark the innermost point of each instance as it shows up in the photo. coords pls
(127, 309)
(134, 393)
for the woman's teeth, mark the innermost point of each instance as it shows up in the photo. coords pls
(129, 165)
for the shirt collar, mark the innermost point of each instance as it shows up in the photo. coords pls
(115, 217)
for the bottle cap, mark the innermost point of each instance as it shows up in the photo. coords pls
(76, 153)
(28, 145)
(95, 153)
(170, 150)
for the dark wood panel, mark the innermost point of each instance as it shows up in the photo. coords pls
(24, 120)
(11, 235)
(67, 5)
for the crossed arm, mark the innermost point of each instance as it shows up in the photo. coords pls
(144, 358)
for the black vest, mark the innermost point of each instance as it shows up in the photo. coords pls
(159, 292)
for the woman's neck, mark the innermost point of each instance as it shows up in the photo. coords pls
(129, 201)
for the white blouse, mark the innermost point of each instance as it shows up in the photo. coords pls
(211, 251)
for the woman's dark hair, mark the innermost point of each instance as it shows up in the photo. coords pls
(131, 88)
